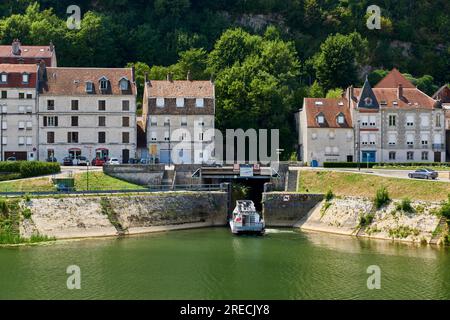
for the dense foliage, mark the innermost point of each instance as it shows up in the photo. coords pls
(28, 169)
(317, 48)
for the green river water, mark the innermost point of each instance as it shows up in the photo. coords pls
(213, 264)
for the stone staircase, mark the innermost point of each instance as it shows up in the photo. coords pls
(291, 180)
(168, 179)
(441, 226)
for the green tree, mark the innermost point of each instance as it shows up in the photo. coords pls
(335, 93)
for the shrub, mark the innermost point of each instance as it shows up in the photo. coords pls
(365, 220)
(4, 209)
(26, 213)
(37, 168)
(381, 198)
(405, 206)
(445, 209)
(10, 166)
(329, 195)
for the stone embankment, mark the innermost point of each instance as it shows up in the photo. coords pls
(75, 217)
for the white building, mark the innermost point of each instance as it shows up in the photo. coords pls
(18, 118)
(179, 120)
(88, 112)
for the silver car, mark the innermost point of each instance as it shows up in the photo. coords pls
(423, 174)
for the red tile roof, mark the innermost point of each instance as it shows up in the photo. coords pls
(27, 52)
(180, 89)
(15, 72)
(413, 98)
(393, 79)
(330, 109)
(72, 81)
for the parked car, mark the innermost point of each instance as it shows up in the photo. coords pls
(113, 161)
(11, 159)
(98, 162)
(51, 159)
(82, 161)
(68, 161)
(133, 161)
(423, 174)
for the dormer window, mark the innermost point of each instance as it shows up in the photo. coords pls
(89, 87)
(123, 84)
(160, 102)
(4, 78)
(199, 103)
(340, 119)
(320, 119)
(25, 78)
(103, 83)
(180, 102)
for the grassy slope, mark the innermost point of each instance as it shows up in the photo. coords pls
(97, 181)
(353, 184)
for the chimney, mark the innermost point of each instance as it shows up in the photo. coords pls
(350, 93)
(146, 77)
(169, 77)
(42, 73)
(52, 46)
(16, 47)
(400, 92)
(189, 76)
(212, 79)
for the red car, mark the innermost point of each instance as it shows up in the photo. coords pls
(98, 162)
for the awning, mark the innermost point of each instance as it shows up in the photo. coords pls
(74, 149)
(101, 149)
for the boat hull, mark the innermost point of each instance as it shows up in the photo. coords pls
(258, 228)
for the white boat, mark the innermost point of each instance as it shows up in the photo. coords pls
(245, 218)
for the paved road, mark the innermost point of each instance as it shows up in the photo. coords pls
(403, 174)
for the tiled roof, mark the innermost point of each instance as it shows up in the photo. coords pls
(393, 79)
(27, 52)
(15, 72)
(330, 109)
(180, 89)
(443, 94)
(412, 98)
(72, 81)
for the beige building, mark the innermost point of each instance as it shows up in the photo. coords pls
(88, 112)
(179, 120)
(18, 89)
(326, 133)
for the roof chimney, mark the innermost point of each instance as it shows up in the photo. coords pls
(400, 91)
(189, 75)
(16, 47)
(169, 77)
(42, 73)
(52, 46)
(146, 77)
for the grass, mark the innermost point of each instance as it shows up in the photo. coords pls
(97, 181)
(364, 185)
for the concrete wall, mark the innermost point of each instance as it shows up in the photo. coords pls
(284, 209)
(138, 174)
(75, 217)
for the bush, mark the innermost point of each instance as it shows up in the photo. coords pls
(10, 166)
(366, 220)
(381, 198)
(26, 213)
(445, 210)
(405, 206)
(37, 168)
(329, 195)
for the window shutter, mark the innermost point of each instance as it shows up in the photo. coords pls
(56, 121)
(45, 121)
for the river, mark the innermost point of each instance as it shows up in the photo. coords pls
(213, 264)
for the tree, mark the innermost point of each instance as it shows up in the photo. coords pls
(315, 91)
(336, 62)
(376, 76)
(335, 93)
(195, 62)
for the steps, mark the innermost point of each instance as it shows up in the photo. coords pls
(168, 179)
(441, 226)
(291, 181)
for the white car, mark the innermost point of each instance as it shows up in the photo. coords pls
(113, 161)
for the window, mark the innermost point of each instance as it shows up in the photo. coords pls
(50, 104)
(341, 119)
(160, 102)
(4, 140)
(153, 121)
(123, 84)
(438, 120)
(372, 139)
(199, 103)
(424, 155)
(25, 78)
(29, 96)
(21, 141)
(424, 140)
(392, 139)
(153, 136)
(409, 120)
(21, 95)
(320, 119)
(166, 122)
(125, 121)
(21, 109)
(200, 136)
(364, 139)
(125, 137)
(4, 94)
(4, 78)
(29, 125)
(101, 137)
(4, 125)
(50, 121)
(410, 155)
(72, 137)
(74, 121)
(74, 105)
(166, 136)
(29, 109)
(104, 84)
(125, 105)
(410, 139)
(392, 155)
(4, 109)
(21, 125)
(392, 120)
(180, 102)
(424, 120)
(89, 87)
(372, 121)
(183, 121)
(101, 121)
(29, 141)
(101, 105)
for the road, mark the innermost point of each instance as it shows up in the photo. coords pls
(444, 176)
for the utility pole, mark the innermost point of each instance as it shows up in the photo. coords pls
(170, 150)
(359, 145)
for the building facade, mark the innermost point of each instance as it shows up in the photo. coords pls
(87, 112)
(392, 122)
(18, 111)
(179, 120)
(18, 54)
(443, 96)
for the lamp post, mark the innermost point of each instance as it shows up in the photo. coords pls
(170, 150)
(359, 145)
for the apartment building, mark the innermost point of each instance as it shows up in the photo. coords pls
(18, 118)
(88, 112)
(18, 54)
(179, 120)
(443, 96)
(326, 132)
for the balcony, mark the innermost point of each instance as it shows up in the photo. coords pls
(410, 146)
(438, 146)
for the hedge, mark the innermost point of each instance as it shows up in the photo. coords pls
(28, 169)
(380, 164)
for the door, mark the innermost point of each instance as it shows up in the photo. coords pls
(368, 156)
(349, 158)
(164, 156)
(19, 155)
(437, 157)
(125, 156)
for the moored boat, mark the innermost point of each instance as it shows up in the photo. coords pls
(245, 218)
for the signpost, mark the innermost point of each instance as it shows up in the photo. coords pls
(246, 170)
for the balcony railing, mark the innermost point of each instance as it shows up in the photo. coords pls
(438, 146)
